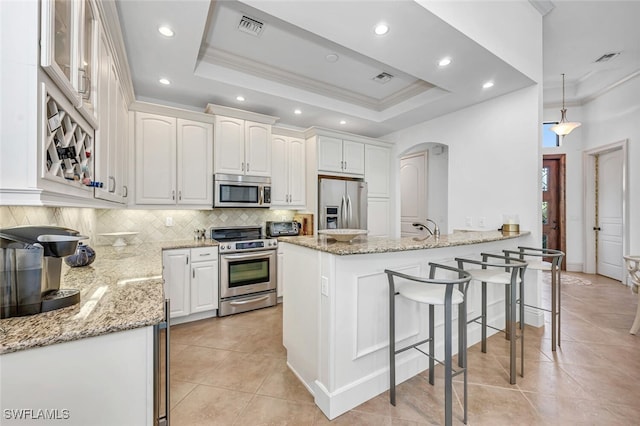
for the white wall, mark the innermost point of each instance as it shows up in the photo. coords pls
(494, 159)
(612, 117)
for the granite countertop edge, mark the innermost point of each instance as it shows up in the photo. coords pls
(372, 245)
(129, 283)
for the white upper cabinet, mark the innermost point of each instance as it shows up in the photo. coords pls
(155, 159)
(173, 161)
(229, 145)
(113, 133)
(242, 147)
(69, 31)
(195, 163)
(340, 156)
(376, 172)
(288, 176)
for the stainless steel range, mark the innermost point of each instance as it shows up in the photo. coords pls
(248, 269)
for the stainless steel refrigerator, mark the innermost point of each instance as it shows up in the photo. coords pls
(342, 203)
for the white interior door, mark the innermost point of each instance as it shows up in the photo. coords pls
(609, 214)
(413, 190)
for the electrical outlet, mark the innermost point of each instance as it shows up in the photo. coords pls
(481, 221)
(324, 287)
(168, 221)
(468, 221)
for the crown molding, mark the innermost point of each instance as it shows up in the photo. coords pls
(230, 60)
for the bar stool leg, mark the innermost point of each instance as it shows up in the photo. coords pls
(522, 325)
(462, 353)
(511, 327)
(559, 308)
(484, 317)
(507, 313)
(554, 308)
(448, 373)
(392, 345)
(431, 344)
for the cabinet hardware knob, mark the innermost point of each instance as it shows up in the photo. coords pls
(247, 166)
(173, 194)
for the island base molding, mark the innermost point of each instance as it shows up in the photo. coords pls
(333, 404)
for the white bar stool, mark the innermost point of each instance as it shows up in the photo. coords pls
(633, 268)
(506, 271)
(554, 266)
(431, 291)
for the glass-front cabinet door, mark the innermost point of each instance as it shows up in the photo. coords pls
(69, 38)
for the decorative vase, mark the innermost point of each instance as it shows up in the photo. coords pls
(83, 256)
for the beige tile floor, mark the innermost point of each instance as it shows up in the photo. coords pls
(232, 371)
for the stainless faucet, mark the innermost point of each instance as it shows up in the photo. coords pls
(422, 227)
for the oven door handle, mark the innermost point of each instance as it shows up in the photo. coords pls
(243, 256)
(244, 302)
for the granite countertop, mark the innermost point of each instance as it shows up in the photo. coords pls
(367, 245)
(121, 290)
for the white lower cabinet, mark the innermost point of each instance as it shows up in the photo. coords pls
(204, 279)
(191, 280)
(103, 380)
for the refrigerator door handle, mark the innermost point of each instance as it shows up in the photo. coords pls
(343, 213)
(350, 212)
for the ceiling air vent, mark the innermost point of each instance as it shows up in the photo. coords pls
(383, 77)
(607, 57)
(250, 26)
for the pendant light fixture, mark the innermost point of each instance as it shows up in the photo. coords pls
(564, 127)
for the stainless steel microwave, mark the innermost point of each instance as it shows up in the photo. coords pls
(241, 191)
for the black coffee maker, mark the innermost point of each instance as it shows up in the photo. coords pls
(30, 269)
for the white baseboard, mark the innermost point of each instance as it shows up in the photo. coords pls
(575, 267)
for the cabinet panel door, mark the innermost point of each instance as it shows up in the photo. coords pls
(376, 171)
(155, 159)
(59, 45)
(122, 142)
(257, 149)
(353, 157)
(280, 171)
(297, 177)
(228, 145)
(204, 286)
(175, 272)
(378, 213)
(102, 135)
(329, 154)
(195, 162)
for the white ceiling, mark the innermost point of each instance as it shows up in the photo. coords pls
(284, 68)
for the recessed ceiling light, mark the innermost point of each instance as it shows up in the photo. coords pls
(331, 57)
(166, 31)
(297, 111)
(343, 122)
(444, 62)
(164, 81)
(487, 85)
(240, 98)
(381, 29)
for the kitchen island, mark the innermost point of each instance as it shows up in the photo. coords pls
(335, 313)
(91, 363)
